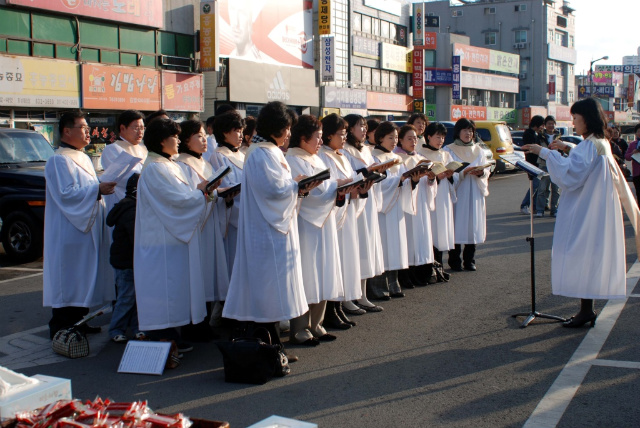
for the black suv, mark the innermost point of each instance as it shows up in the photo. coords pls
(23, 155)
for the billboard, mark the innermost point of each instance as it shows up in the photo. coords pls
(456, 88)
(393, 57)
(438, 76)
(491, 82)
(269, 31)
(148, 13)
(182, 91)
(418, 24)
(509, 115)
(208, 40)
(324, 17)
(487, 59)
(385, 101)
(468, 112)
(109, 87)
(619, 68)
(366, 48)
(328, 55)
(417, 65)
(42, 83)
(344, 98)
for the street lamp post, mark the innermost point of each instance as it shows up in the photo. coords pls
(591, 73)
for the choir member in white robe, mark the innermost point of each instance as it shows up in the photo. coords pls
(266, 284)
(334, 132)
(76, 272)
(470, 211)
(369, 241)
(419, 238)
(248, 133)
(397, 197)
(130, 132)
(167, 251)
(588, 253)
(442, 230)
(214, 261)
(319, 250)
(228, 129)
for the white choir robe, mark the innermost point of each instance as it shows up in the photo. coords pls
(319, 250)
(76, 269)
(214, 260)
(347, 220)
(442, 230)
(370, 243)
(395, 201)
(470, 210)
(266, 283)
(588, 253)
(228, 217)
(109, 155)
(419, 238)
(166, 259)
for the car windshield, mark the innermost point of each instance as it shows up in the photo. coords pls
(18, 147)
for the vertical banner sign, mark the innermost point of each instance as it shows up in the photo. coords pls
(418, 70)
(552, 87)
(208, 40)
(631, 90)
(328, 58)
(456, 90)
(418, 25)
(418, 106)
(324, 17)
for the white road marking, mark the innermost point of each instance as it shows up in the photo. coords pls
(20, 277)
(555, 402)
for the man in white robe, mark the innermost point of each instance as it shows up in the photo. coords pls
(76, 272)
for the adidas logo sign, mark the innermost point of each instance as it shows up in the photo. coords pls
(277, 90)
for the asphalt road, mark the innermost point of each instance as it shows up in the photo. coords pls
(447, 355)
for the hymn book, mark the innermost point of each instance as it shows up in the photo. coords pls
(229, 191)
(325, 174)
(455, 166)
(421, 167)
(358, 180)
(217, 176)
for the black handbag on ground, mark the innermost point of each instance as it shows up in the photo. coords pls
(252, 360)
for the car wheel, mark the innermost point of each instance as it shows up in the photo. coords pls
(22, 237)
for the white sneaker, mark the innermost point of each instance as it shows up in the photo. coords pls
(539, 214)
(525, 210)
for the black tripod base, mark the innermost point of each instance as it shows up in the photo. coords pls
(533, 315)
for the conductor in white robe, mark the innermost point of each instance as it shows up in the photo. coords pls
(470, 210)
(76, 272)
(588, 253)
(266, 284)
(130, 127)
(167, 251)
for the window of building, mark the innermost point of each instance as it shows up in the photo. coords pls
(520, 8)
(489, 10)
(562, 22)
(571, 42)
(456, 13)
(490, 38)
(357, 22)
(570, 97)
(523, 95)
(366, 76)
(571, 70)
(560, 97)
(384, 29)
(524, 65)
(375, 26)
(521, 36)
(384, 79)
(357, 74)
(375, 77)
(550, 36)
(366, 24)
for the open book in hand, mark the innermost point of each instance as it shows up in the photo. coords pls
(479, 167)
(229, 191)
(325, 174)
(421, 168)
(518, 161)
(217, 176)
(120, 169)
(358, 180)
(375, 176)
(455, 166)
(388, 164)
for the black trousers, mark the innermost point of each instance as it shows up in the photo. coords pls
(437, 255)
(65, 317)
(468, 255)
(636, 184)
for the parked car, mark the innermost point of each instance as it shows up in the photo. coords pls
(497, 137)
(449, 139)
(23, 155)
(575, 139)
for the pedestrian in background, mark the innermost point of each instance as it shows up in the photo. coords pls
(532, 135)
(635, 166)
(547, 189)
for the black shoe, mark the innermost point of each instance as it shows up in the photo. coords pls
(327, 337)
(184, 347)
(383, 298)
(579, 320)
(343, 316)
(89, 329)
(357, 311)
(398, 295)
(332, 320)
(374, 308)
(470, 266)
(457, 268)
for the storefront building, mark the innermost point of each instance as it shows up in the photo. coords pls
(101, 57)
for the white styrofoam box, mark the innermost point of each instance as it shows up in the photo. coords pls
(282, 422)
(48, 390)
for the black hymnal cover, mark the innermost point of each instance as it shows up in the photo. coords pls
(217, 175)
(229, 191)
(325, 174)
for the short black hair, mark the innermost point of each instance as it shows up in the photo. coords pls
(435, 128)
(68, 120)
(593, 115)
(273, 120)
(157, 131)
(372, 124)
(224, 108)
(128, 116)
(153, 116)
(226, 122)
(461, 124)
(209, 122)
(331, 125)
(188, 128)
(249, 126)
(354, 120)
(404, 129)
(416, 116)
(536, 121)
(306, 126)
(548, 118)
(384, 129)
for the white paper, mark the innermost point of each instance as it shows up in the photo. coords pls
(529, 168)
(636, 157)
(144, 357)
(120, 168)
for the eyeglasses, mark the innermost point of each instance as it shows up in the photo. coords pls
(138, 128)
(85, 128)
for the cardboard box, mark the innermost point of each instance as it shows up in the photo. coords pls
(282, 422)
(49, 390)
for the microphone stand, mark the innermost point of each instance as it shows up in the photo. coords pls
(531, 240)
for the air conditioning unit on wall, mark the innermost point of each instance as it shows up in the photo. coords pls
(520, 45)
(522, 76)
